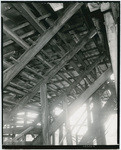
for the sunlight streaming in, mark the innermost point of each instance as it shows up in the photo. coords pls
(111, 130)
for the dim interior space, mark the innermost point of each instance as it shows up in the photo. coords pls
(60, 73)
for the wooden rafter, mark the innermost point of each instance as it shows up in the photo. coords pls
(43, 40)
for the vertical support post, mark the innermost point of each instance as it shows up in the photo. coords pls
(45, 114)
(89, 119)
(98, 126)
(24, 139)
(88, 114)
(76, 139)
(53, 138)
(111, 30)
(61, 134)
(67, 123)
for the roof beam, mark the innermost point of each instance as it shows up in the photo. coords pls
(54, 70)
(81, 99)
(42, 41)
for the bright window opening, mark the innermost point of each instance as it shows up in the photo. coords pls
(112, 77)
(94, 142)
(29, 137)
(57, 137)
(64, 132)
(29, 122)
(78, 123)
(21, 113)
(91, 117)
(19, 126)
(73, 119)
(103, 103)
(31, 115)
(56, 6)
(111, 130)
(91, 106)
(21, 122)
(39, 124)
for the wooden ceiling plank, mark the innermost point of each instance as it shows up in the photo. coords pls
(43, 40)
